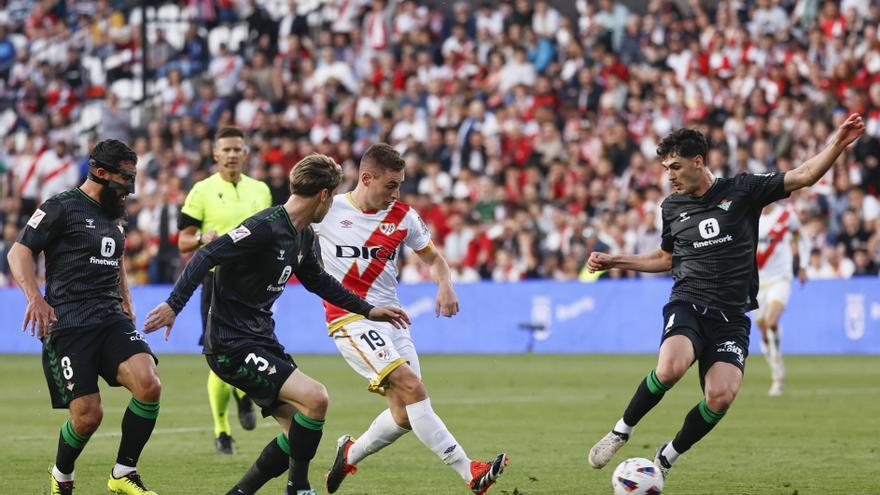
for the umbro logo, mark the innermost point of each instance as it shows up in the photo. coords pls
(684, 216)
(346, 224)
(90, 223)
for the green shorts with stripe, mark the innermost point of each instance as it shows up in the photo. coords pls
(259, 370)
(73, 360)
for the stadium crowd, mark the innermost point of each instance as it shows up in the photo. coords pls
(529, 135)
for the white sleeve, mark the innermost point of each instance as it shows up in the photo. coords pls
(417, 234)
(794, 223)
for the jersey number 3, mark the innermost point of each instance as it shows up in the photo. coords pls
(261, 363)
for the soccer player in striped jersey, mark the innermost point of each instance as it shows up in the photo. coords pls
(778, 261)
(86, 320)
(360, 239)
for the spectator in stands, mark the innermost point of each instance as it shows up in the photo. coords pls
(500, 109)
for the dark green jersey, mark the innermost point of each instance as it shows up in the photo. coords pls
(254, 262)
(83, 251)
(713, 239)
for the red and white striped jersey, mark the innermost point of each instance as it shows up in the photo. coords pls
(361, 248)
(774, 255)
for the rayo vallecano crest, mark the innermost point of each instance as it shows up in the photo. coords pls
(387, 228)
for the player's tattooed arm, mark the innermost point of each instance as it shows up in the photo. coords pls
(813, 169)
(39, 315)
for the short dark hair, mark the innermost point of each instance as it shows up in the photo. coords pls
(383, 157)
(314, 173)
(111, 152)
(225, 132)
(686, 143)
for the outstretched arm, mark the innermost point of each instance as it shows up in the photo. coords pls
(653, 262)
(813, 169)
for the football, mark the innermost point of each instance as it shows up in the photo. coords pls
(637, 476)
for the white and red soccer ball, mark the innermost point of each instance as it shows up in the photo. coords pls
(637, 476)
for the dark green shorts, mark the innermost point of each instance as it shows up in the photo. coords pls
(717, 336)
(259, 370)
(72, 361)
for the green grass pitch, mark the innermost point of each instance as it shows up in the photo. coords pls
(822, 437)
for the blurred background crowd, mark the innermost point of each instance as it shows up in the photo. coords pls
(529, 132)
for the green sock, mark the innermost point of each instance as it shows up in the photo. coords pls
(70, 445)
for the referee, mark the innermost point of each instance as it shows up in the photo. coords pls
(213, 207)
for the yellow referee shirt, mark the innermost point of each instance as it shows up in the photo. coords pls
(221, 205)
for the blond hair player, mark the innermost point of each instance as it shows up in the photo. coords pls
(360, 239)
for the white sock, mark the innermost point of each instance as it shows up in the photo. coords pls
(381, 433)
(59, 476)
(622, 427)
(670, 453)
(780, 366)
(773, 355)
(431, 431)
(121, 470)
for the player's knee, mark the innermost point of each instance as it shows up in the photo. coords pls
(720, 398)
(412, 389)
(87, 421)
(149, 389)
(318, 402)
(670, 372)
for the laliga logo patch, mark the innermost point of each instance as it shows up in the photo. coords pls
(383, 355)
(239, 233)
(387, 228)
(36, 218)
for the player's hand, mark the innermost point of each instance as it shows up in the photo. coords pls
(447, 302)
(850, 130)
(158, 317)
(39, 315)
(600, 262)
(395, 316)
(209, 237)
(802, 276)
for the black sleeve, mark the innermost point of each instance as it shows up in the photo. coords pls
(666, 241)
(184, 221)
(44, 227)
(317, 281)
(763, 189)
(244, 240)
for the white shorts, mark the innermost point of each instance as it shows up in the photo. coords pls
(374, 349)
(777, 291)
